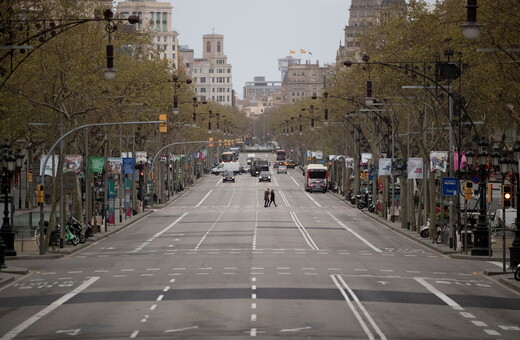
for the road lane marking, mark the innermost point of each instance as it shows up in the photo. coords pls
(354, 303)
(312, 199)
(295, 182)
(295, 329)
(144, 244)
(47, 310)
(303, 231)
(209, 231)
(355, 234)
(439, 294)
(232, 196)
(284, 198)
(202, 200)
(180, 329)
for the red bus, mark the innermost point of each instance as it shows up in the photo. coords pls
(227, 156)
(316, 177)
(280, 155)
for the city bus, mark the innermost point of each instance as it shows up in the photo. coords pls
(280, 155)
(316, 177)
(228, 156)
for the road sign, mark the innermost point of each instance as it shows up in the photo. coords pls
(450, 186)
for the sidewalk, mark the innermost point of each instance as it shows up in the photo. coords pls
(507, 278)
(28, 250)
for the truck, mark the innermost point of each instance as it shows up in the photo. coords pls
(250, 158)
(226, 166)
(258, 166)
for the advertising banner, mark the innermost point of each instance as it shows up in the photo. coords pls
(51, 167)
(385, 166)
(349, 162)
(439, 161)
(114, 165)
(415, 168)
(456, 163)
(141, 157)
(111, 202)
(96, 164)
(128, 199)
(128, 166)
(72, 163)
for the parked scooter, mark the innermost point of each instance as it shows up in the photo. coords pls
(362, 203)
(425, 229)
(70, 238)
(75, 228)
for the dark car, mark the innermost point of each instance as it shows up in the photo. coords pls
(228, 177)
(264, 176)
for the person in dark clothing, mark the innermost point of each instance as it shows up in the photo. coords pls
(266, 197)
(272, 198)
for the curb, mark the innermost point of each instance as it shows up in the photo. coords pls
(6, 281)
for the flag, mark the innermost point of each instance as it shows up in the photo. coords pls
(302, 51)
(292, 52)
(310, 52)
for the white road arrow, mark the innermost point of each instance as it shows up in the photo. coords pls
(71, 332)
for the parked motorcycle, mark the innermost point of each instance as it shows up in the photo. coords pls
(75, 228)
(425, 229)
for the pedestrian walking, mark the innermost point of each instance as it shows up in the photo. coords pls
(266, 197)
(272, 198)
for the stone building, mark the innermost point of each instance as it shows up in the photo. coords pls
(363, 14)
(154, 17)
(212, 74)
(304, 81)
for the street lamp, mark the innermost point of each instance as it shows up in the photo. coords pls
(514, 250)
(9, 163)
(480, 172)
(471, 29)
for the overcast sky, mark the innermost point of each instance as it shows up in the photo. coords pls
(258, 32)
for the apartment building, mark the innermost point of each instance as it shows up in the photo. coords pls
(155, 17)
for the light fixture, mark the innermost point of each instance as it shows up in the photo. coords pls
(471, 29)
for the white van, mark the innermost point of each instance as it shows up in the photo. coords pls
(226, 166)
(496, 221)
(250, 158)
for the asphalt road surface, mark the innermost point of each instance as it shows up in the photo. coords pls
(216, 264)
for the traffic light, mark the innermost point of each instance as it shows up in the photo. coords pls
(468, 190)
(507, 196)
(489, 193)
(194, 117)
(40, 195)
(369, 88)
(210, 141)
(163, 127)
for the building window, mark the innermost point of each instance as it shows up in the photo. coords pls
(208, 47)
(165, 22)
(202, 79)
(218, 46)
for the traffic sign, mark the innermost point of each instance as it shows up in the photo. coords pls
(450, 186)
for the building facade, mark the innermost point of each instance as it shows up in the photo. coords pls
(304, 81)
(362, 15)
(212, 74)
(155, 17)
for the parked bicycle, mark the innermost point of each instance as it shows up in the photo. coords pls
(54, 239)
(439, 237)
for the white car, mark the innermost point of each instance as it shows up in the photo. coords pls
(282, 169)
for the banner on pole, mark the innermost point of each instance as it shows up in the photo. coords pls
(385, 166)
(128, 166)
(439, 161)
(415, 168)
(96, 164)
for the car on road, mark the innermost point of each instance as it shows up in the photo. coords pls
(264, 176)
(228, 176)
(290, 164)
(277, 164)
(282, 169)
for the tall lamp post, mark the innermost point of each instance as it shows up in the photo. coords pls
(480, 173)
(9, 163)
(514, 250)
